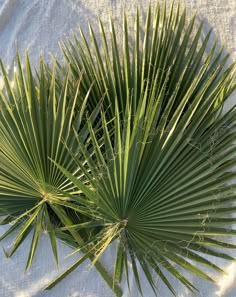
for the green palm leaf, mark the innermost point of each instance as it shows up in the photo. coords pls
(38, 120)
(35, 122)
(163, 180)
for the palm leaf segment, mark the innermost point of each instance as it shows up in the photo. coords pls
(171, 47)
(36, 122)
(163, 180)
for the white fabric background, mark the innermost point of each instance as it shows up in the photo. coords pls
(39, 25)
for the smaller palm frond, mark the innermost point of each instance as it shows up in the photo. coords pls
(163, 181)
(37, 124)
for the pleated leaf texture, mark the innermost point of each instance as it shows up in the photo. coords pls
(40, 121)
(37, 124)
(162, 181)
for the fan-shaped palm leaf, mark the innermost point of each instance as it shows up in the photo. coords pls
(37, 124)
(163, 182)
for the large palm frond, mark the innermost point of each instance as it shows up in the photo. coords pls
(163, 182)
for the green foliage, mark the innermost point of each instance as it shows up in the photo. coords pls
(164, 60)
(35, 124)
(162, 182)
(38, 121)
(151, 165)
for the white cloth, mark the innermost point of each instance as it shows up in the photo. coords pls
(39, 25)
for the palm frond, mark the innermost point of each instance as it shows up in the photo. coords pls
(163, 181)
(36, 125)
(39, 122)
